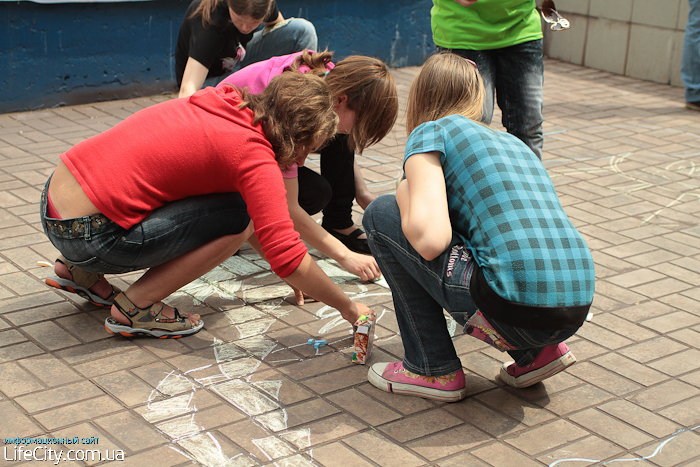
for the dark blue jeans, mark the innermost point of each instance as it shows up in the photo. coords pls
(516, 74)
(422, 289)
(169, 232)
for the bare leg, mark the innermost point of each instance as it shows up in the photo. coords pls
(161, 281)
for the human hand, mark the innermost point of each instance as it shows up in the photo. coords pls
(355, 311)
(364, 266)
(300, 296)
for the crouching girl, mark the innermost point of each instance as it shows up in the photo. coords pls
(177, 188)
(476, 228)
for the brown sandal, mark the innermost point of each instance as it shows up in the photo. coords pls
(81, 284)
(150, 321)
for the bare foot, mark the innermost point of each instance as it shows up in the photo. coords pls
(102, 289)
(168, 311)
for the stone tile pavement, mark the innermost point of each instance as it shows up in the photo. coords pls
(249, 391)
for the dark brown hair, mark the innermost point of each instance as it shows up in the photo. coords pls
(446, 85)
(254, 8)
(371, 92)
(296, 111)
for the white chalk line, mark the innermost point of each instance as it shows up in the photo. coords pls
(656, 451)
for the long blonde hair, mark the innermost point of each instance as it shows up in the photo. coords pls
(446, 85)
(254, 8)
(296, 111)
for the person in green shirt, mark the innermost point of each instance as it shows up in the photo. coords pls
(504, 39)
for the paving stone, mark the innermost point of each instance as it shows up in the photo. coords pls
(130, 431)
(546, 437)
(16, 381)
(384, 452)
(630, 369)
(621, 170)
(364, 407)
(585, 448)
(81, 411)
(50, 335)
(50, 370)
(604, 379)
(125, 387)
(499, 455)
(339, 455)
(16, 422)
(610, 428)
(652, 349)
(419, 425)
(664, 394)
(676, 451)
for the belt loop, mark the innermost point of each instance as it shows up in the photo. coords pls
(88, 226)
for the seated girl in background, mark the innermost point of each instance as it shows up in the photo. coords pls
(365, 99)
(476, 228)
(218, 36)
(177, 188)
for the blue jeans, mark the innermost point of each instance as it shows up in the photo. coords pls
(516, 73)
(421, 289)
(169, 232)
(690, 62)
(298, 34)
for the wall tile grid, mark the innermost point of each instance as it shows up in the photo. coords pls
(637, 38)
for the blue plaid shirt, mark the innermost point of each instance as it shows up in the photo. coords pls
(504, 206)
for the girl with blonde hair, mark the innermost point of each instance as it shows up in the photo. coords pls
(476, 228)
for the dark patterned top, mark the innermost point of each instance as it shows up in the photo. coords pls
(504, 205)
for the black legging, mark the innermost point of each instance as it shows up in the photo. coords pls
(333, 190)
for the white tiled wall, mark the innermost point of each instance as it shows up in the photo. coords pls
(637, 38)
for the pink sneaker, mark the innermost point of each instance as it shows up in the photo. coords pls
(552, 360)
(393, 377)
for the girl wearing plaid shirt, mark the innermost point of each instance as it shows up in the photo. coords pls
(476, 228)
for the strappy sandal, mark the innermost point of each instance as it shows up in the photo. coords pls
(81, 284)
(352, 241)
(150, 321)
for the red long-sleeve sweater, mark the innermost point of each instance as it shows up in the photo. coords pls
(188, 147)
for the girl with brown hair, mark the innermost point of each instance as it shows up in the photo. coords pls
(177, 188)
(219, 36)
(365, 99)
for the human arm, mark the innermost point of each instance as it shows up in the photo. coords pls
(422, 201)
(193, 77)
(312, 233)
(362, 193)
(309, 277)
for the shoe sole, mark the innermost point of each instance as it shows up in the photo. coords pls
(413, 390)
(72, 287)
(115, 327)
(540, 374)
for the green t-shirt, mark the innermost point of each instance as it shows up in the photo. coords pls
(487, 24)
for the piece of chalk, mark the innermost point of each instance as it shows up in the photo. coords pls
(321, 342)
(310, 342)
(589, 316)
(316, 346)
